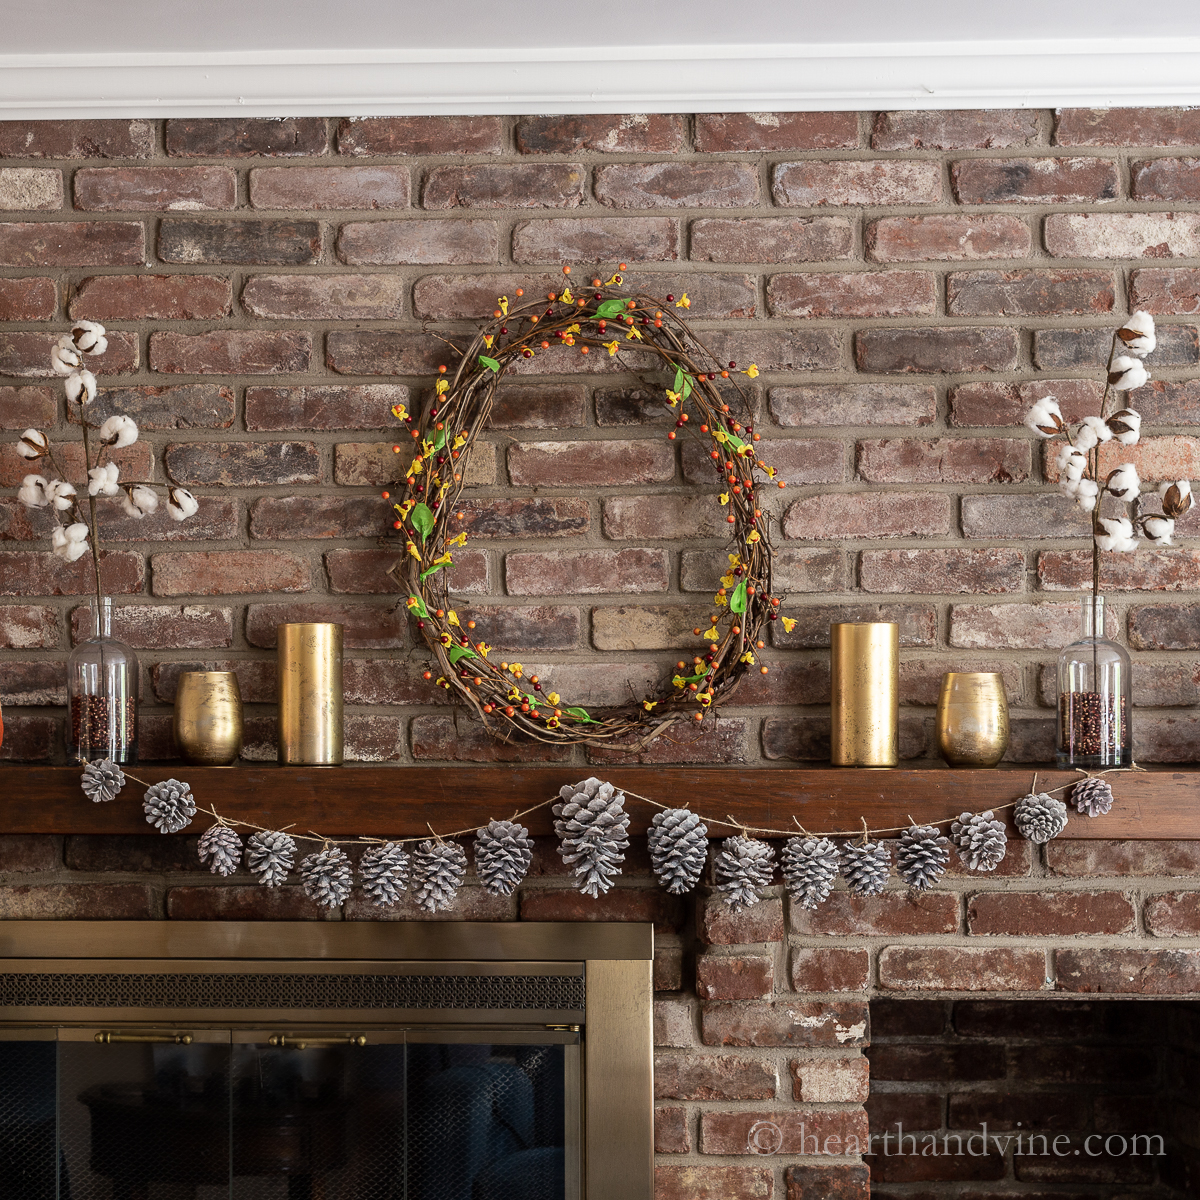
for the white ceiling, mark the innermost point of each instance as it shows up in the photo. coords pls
(265, 57)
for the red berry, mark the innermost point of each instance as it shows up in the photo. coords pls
(669, 297)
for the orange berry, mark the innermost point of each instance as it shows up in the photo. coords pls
(703, 428)
(583, 349)
(478, 680)
(781, 484)
(683, 416)
(671, 436)
(496, 312)
(697, 716)
(457, 477)
(551, 296)
(620, 266)
(441, 370)
(545, 345)
(427, 675)
(760, 645)
(696, 631)
(396, 525)
(520, 291)
(566, 269)
(534, 679)
(763, 670)
(459, 516)
(534, 320)
(470, 624)
(680, 665)
(715, 454)
(693, 687)
(750, 591)
(487, 708)
(730, 518)
(595, 283)
(580, 303)
(395, 449)
(714, 620)
(775, 601)
(440, 613)
(736, 630)
(724, 374)
(416, 433)
(385, 495)
(510, 711)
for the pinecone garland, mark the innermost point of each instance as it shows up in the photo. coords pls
(810, 867)
(169, 806)
(678, 842)
(980, 840)
(270, 857)
(922, 856)
(102, 780)
(221, 848)
(438, 871)
(503, 852)
(384, 874)
(593, 826)
(327, 877)
(865, 866)
(744, 865)
(1092, 796)
(1039, 817)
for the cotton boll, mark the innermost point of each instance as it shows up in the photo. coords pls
(1069, 487)
(70, 543)
(119, 431)
(102, 481)
(1177, 497)
(1126, 426)
(1124, 483)
(88, 336)
(1137, 334)
(81, 387)
(140, 501)
(1087, 492)
(1159, 530)
(61, 494)
(1045, 417)
(1075, 466)
(33, 492)
(1127, 373)
(64, 357)
(181, 504)
(1099, 427)
(1085, 438)
(33, 444)
(1116, 533)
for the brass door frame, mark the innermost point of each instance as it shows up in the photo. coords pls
(616, 959)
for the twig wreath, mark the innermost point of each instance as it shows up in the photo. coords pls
(605, 320)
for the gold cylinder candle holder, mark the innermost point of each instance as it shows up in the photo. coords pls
(972, 718)
(866, 694)
(208, 717)
(310, 694)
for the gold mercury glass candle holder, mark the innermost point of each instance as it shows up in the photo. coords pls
(208, 717)
(310, 694)
(865, 709)
(972, 718)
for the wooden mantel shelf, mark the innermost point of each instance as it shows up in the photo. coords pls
(398, 801)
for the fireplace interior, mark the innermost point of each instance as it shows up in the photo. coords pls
(992, 1099)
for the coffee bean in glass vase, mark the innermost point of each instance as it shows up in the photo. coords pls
(1095, 709)
(102, 690)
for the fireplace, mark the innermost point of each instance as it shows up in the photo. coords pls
(455, 1061)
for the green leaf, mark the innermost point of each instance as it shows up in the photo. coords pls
(687, 387)
(422, 520)
(458, 652)
(490, 362)
(582, 714)
(737, 602)
(680, 377)
(610, 308)
(439, 438)
(431, 570)
(419, 608)
(735, 442)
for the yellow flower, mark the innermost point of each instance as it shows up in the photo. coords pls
(721, 436)
(754, 536)
(413, 602)
(745, 449)
(566, 296)
(415, 467)
(412, 549)
(459, 539)
(443, 386)
(748, 657)
(615, 279)
(445, 639)
(426, 447)
(649, 704)
(679, 681)
(488, 340)
(683, 301)
(752, 371)
(723, 498)
(502, 304)
(514, 693)
(712, 634)
(770, 472)
(516, 669)
(727, 580)
(673, 398)
(405, 508)
(459, 442)
(483, 648)
(452, 618)
(789, 623)
(632, 335)
(574, 328)
(735, 560)
(553, 697)
(704, 698)
(443, 560)
(400, 412)
(612, 347)
(441, 681)
(720, 600)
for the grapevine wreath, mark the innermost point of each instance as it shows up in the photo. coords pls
(652, 338)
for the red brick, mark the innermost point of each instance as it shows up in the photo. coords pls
(631, 518)
(216, 520)
(630, 133)
(761, 923)
(798, 1131)
(152, 626)
(829, 1080)
(525, 518)
(671, 1134)
(948, 351)
(513, 185)
(27, 355)
(256, 677)
(29, 738)
(34, 573)
(707, 1182)
(1168, 739)
(992, 404)
(1164, 627)
(518, 406)
(1048, 515)
(365, 626)
(362, 406)
(1014, 626)
(646, 626)
(30, 299)
(892, 914)
(28, 627)
(154, 189)
(242, 137)
(41, 244)
(719, 742)
(76, 139)
(286, 518)
(135, 461)
(850, 1182)
(841, 970)
(1049, 914)
(1127, 127)
(78, 902)
(161, 297)
(245, 902)
(712, 1077)
(1128, 972)
(590, 464)
(21, 407)
(1147, 571)
(386, 682)
(943, 571)
(1166, 179)
(319, 188)
(28, 852)
(947, 460)
(725, 977)
(362, 136)
(726, 133)
(1030, 741)
(461, 739)
(231, 352)
(370, 464)
(596, 239)
(948, 129)
(619, 904)
(950, 238)
(682, 184)
(784, 350)
(528, 627)
(771, 239)
(386, 243)
(961, 969)
(1123, 235)
(229, 572)
(1029, 293)
(858, 182)
(243, 464)
(42, 683)
(845, 405)
(586, 572)
(363, 572)
(1165, 685)
(839, 1023)
(1173, 914)
(859, 294)
(892, 1167)
(794, 570)
(918, 623)
(797, 461)
(674, 1023)
(325, 297)
(1034, 180)
(1166, 291)
(838, 515)
(275, 243)
(1088, 349)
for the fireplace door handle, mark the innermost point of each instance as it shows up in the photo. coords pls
(107, 1038)
(303, 1042)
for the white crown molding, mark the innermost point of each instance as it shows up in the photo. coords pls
(1097, 73)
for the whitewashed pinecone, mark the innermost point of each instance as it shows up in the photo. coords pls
(383, 871)
(270, 857)
(327, 877)
(678, 842)
(221, 848)
(743, 866)
(438, 869)
(503, 852)
(810, 867)
(1092, 796)
(980, 839)
(1040, 817)
(593, 826)
(865, 866)
(102, 780)
(922, 856)
(169, 806)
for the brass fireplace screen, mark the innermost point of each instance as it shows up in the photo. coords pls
(325, 1061)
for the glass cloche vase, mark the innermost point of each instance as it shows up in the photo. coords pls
(1095, 703)
(102, 691)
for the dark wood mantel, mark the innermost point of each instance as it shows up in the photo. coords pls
(398, 801)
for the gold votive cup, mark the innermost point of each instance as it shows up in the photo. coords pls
(972, 718)
(208, 717)
(310, 694)
(866, 694)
